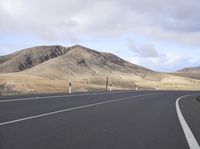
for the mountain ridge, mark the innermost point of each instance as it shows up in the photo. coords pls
(45, 69)
(27, 58)
(30, 57)
(189, 69)
(191, 72)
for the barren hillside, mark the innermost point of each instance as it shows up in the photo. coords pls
(193, 72)
(49, 68)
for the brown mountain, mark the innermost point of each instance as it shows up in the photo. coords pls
(49, 68)
(192, 72)
(29, 58)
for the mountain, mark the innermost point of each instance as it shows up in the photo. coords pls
(29, 58)
(192, 72)
(49, 68)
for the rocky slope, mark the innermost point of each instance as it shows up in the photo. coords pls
(29, 58)
(79, 61)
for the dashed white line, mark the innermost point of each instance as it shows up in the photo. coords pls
(192, 142)
(74, 108)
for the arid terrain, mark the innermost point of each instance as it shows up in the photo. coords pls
(192, 72)
(48, 69)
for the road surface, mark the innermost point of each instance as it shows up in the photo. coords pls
(117, 120)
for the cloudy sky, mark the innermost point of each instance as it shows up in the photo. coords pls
(163, 35)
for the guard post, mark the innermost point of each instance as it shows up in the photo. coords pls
(110, 86)
(70, 87)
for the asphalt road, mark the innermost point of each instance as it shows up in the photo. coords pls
(118, 120)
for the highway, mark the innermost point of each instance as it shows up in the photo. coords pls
(117, 120)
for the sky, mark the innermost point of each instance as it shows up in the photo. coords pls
(160, 35)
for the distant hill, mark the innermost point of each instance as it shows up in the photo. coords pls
(49, 68)
(192, 72)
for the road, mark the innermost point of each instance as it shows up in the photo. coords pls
(117, 120)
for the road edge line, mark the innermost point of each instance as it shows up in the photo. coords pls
(191, 140)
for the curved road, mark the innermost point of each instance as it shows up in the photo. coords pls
(118, 120)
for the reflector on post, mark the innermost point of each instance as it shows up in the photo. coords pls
(70, 87)
(110, 86)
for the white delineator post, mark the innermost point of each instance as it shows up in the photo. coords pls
(70, 87)
(110, 86)
(136, 88)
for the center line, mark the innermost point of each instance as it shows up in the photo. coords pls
(52, 97)
(71, 109)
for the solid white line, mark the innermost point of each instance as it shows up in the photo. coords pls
(192, 142)
(74, 108)
(49, 97)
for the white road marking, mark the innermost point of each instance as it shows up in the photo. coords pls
(74, 108)
(45, 97)
(192, 142)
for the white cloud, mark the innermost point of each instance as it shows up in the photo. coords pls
(147, 55)
(143, 50)
(177, 21)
